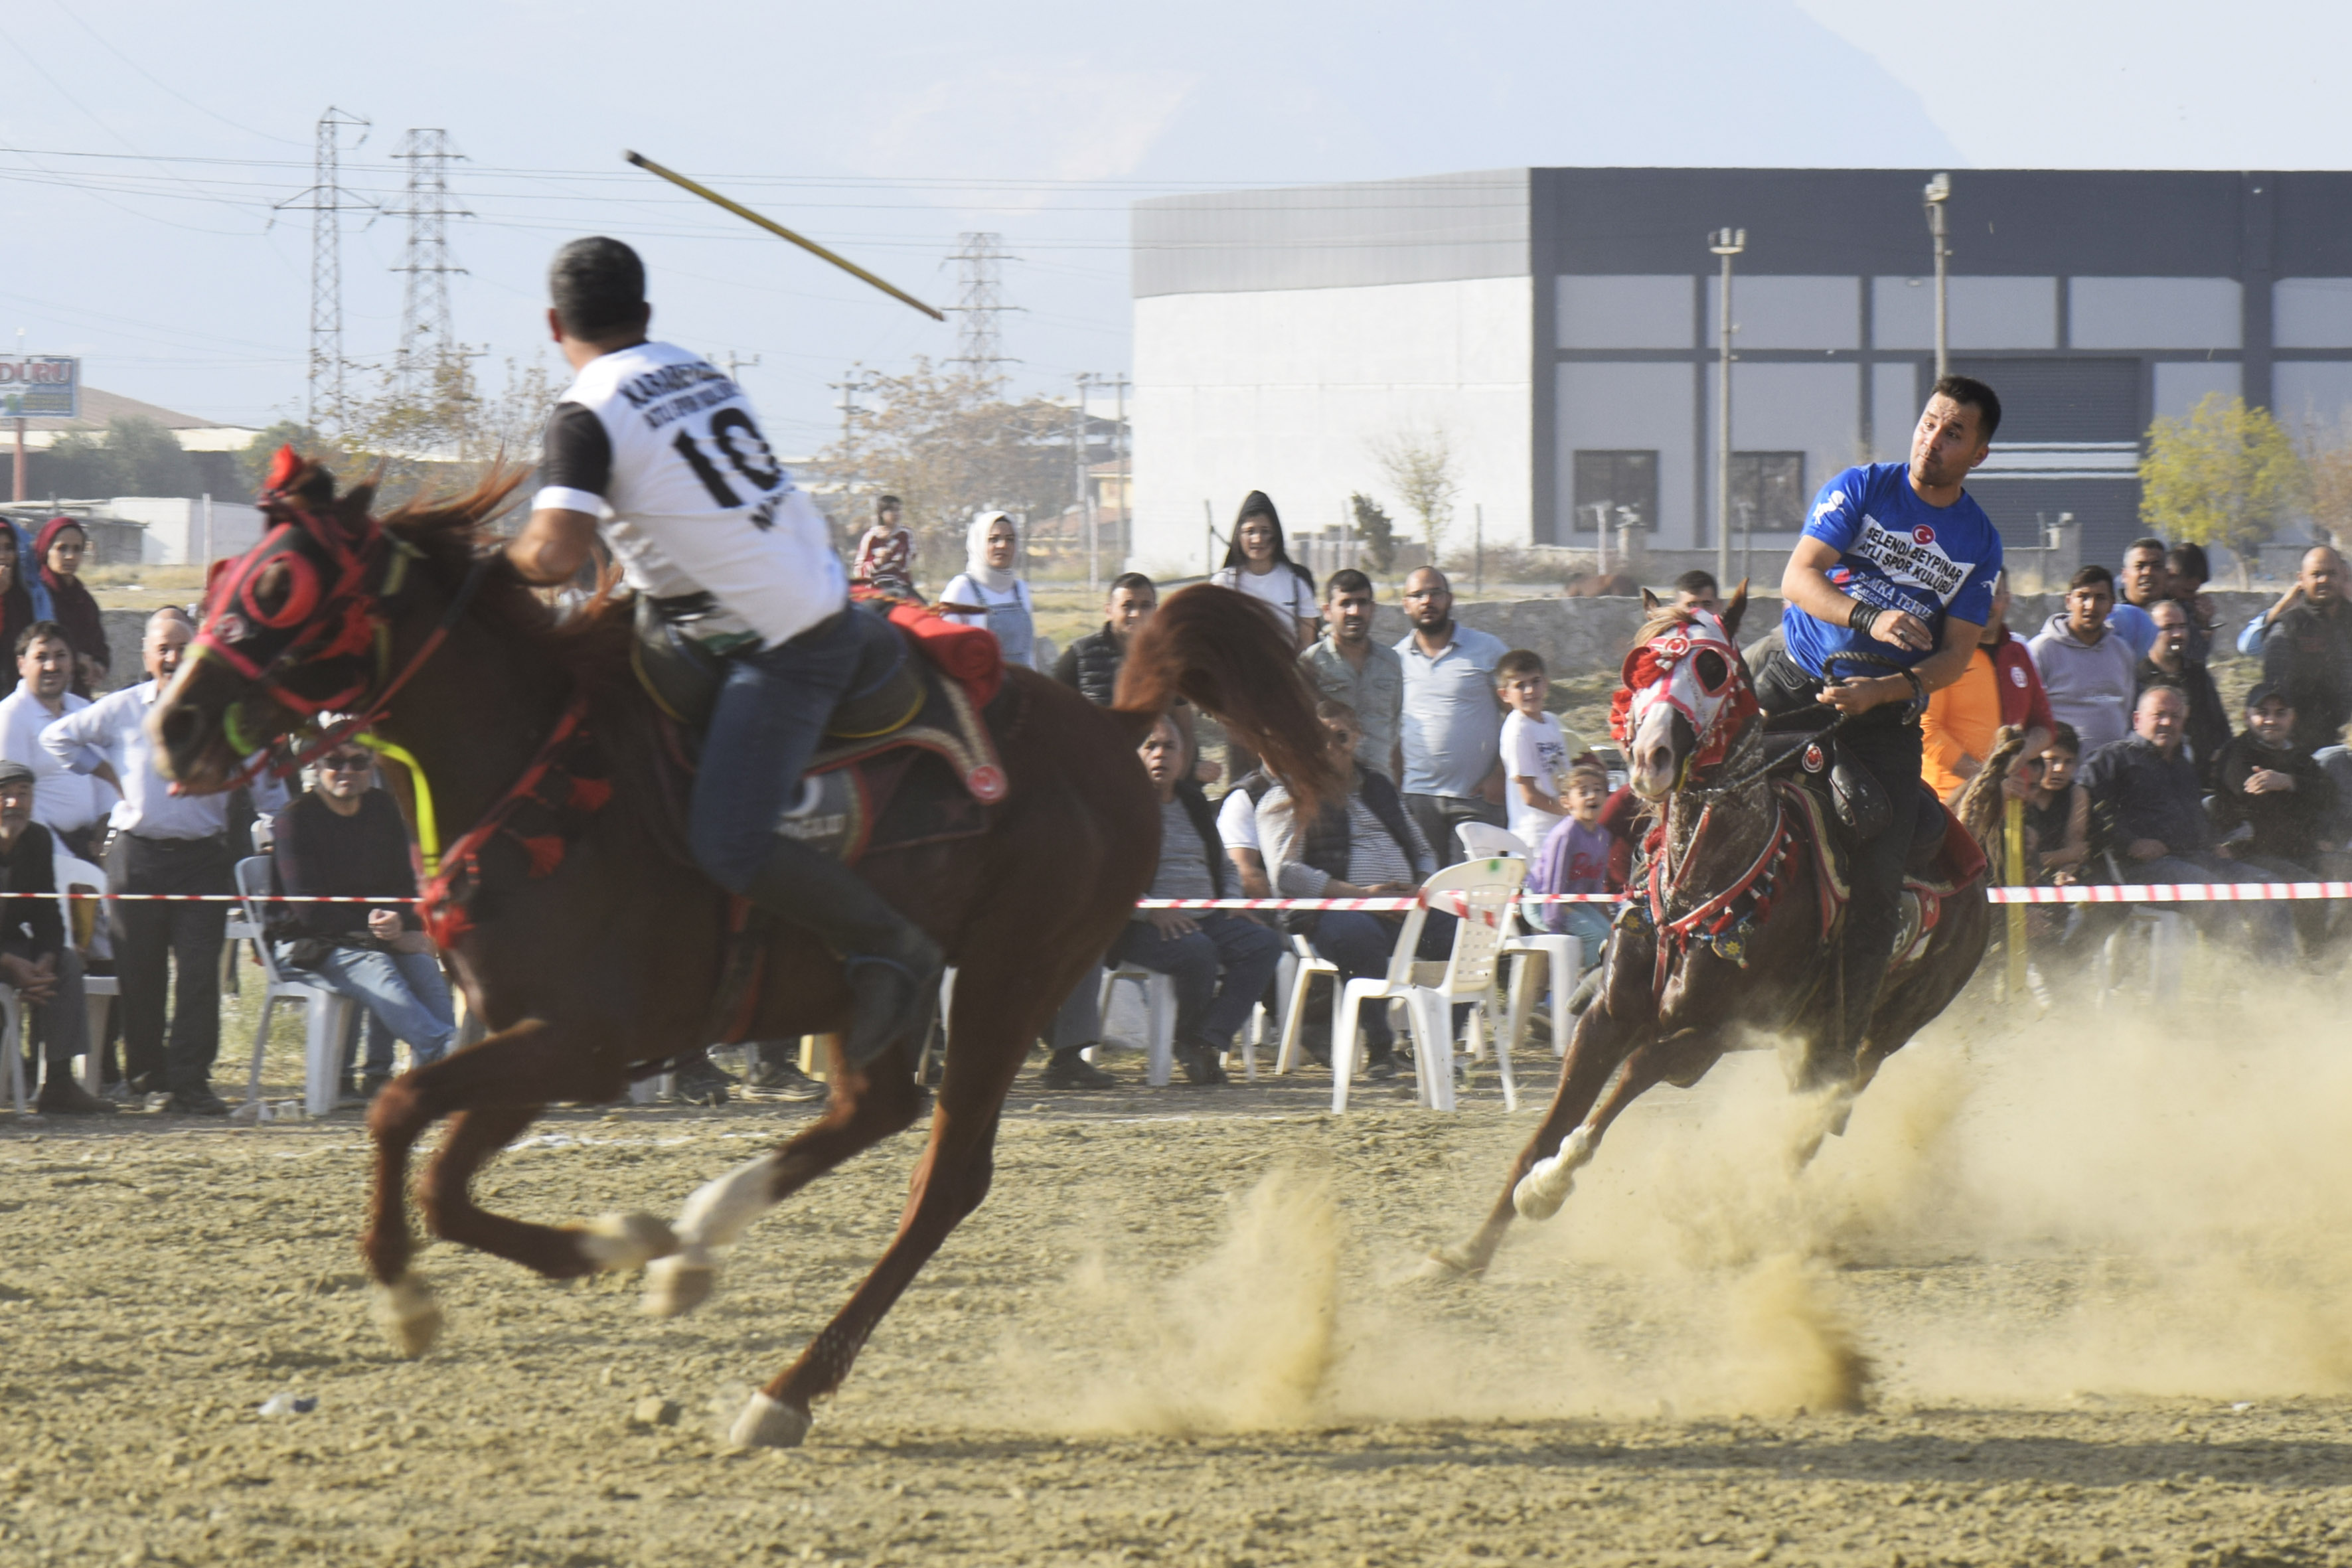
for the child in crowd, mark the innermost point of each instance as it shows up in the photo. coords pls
(885, 564)
(1534, 752)
(2058, 812)
(1575, 859)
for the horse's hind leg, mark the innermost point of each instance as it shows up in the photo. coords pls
(868, 1105)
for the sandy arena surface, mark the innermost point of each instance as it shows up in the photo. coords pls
(2087, 1285)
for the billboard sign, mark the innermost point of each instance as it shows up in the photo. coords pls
(40, 387)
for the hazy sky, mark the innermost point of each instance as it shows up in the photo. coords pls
(146, 144)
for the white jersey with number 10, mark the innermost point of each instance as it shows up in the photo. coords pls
(699, 504)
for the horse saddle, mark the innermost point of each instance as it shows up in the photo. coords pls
(908, 756)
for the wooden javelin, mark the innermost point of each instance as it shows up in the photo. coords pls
(780, 231)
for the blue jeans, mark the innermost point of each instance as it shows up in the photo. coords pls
(1588, 923)
(771, 715)
(1221, 970)
(1361, 943)
(403, 993)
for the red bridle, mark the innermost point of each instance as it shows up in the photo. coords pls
(335, 615)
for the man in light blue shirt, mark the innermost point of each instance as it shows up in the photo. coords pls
(1450, 743)
(164, 843)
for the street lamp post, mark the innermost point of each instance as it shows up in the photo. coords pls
(1938, 192)
(1726, 243)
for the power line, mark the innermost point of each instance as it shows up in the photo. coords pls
(325, 201)
(425, 294)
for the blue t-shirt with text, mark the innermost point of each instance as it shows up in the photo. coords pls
(1896, 552)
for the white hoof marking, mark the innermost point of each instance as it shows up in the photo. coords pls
(408, 1313)
(625, 1241)
(1542, 1191)
(679, 1283)
(768, 1423)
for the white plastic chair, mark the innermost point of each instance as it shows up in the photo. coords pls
(1260, 1025)
(1529, 941)
(2167, 932)
(99, 991)
(12, 1040)
(326, 1012)
(1430, 990)
(1160, 1017)
(1305, 964)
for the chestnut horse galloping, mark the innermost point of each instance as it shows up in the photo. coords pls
(1730, 936)
(611, 961)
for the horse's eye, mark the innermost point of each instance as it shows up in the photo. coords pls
(1712, 669)
(271, 588)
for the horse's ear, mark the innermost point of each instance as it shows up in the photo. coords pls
(352, 508)
(1650, 603)
(1733, 611)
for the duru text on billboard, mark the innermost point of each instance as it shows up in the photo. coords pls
(40, 387)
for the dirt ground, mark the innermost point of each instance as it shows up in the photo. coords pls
(2085, 1284)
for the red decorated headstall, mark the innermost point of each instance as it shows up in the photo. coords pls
(1671, 668)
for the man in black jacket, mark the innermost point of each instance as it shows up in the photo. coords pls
(34, 961)
(1220, 962)
(2307, 654)
(2167, 663)
(1090, 665)
(2282, 799)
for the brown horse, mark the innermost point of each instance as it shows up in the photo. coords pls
(609, 964)
(1734, 948)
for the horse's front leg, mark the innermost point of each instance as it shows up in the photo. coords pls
(494, 1088)
(1686, 1052)
(1602, 1041)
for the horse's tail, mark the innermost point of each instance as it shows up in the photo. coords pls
(1226, 654)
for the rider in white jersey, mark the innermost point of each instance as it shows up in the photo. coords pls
(660, 450)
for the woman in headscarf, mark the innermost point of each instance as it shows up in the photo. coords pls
(22, 599)
(987, 594)
(1257, 564)
(59, 550)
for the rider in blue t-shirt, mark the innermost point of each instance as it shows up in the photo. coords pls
(1886, 595)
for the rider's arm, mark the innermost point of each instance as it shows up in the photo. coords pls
(1806, 584)
(553, 545)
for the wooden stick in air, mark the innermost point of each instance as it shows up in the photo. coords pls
(779, 230)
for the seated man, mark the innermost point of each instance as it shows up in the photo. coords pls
(2144, 793)
(2280, 800)
(1364, 846)
(34, 961)
(345, 838)
(1220, 962)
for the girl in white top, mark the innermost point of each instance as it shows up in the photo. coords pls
(1256, 565)
(987, 594)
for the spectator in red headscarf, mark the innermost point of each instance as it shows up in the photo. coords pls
(59, 550)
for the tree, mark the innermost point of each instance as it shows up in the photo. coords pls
(2328, 459)
(1420, 467)
(2226, 475)
(1379, 532)
(134, 457)
(947, 445)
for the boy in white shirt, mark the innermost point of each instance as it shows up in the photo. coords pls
(1534, 752)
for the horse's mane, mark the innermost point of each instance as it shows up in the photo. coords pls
(449, 532)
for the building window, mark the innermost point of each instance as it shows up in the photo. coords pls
(1767, 491)
(1619, 482)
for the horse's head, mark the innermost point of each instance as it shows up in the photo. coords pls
(1685, 696)
(289, 631)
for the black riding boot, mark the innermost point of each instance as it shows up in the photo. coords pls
(893, 965)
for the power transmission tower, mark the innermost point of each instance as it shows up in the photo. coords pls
(980, 299)
(425, 297)
(859, 381)
(325, 201)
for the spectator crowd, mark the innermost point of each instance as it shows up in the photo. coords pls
(2132, 770)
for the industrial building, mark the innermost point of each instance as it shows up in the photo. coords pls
(1560, 328)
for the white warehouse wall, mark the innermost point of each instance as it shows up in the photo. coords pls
(1286, 390)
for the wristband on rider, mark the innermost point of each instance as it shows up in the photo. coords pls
(1860, 617)
(1918, 704)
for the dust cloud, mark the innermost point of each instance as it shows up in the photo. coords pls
(2092, 1208)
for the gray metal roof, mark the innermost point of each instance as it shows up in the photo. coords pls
(1332, 236)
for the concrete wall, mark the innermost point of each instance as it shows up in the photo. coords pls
(1287, 390)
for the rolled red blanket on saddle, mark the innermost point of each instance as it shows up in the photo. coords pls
(967, 653)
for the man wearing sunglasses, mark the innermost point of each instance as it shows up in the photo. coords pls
(346, 839)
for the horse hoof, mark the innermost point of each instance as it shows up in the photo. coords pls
(409, 1314)
(768, 1423)
(677, 1284)
(1536, 1197)
(624, 1241)
(1449, 1263)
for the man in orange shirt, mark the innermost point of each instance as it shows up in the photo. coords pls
(1999, 688)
